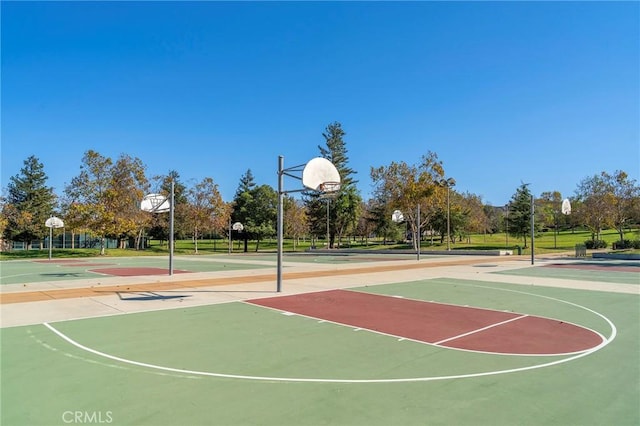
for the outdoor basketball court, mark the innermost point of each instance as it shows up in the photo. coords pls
(387, 341)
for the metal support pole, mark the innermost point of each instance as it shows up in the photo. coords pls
(328, 234)
(532, 231)
(280, 220)
(230, 248)
(50, 240)
(418, 235)
(448, 219)
(171, 216)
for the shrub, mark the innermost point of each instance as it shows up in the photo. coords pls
(595, 244)
(626, 244)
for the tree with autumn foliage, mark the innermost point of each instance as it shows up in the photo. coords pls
(606, 200)
(405, 187)
(205, 209)
(104, 198)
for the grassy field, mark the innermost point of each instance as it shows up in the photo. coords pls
(544, 243)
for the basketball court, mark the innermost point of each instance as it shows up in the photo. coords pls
(465, 340)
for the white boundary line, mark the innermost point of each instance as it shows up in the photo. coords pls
(604, 343)
(479, 330)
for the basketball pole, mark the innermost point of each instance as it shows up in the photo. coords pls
(532, 231)
(171, 210)
(280, 220)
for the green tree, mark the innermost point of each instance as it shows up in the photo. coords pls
(343, 207)
(256, 207)
(29, 203)
(243, 204)
(520, 214)
(159, 223)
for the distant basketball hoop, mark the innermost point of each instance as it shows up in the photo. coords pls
(397, 216)
(566, 207)
(238, 227)
(155, 203)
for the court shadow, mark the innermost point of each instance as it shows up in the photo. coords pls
(147, 295)
(63, 274)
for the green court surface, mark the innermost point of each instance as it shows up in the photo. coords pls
(602, 275)
(22, 271)
(241, 364)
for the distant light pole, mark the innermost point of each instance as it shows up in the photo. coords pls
(448, 183)
(507, 227)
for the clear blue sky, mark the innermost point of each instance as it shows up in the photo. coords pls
(545, 93)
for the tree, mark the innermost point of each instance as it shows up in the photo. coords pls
(159, 223)
(128, 185)
(29, 204)
(404, 187)
(296, 223)
(105, 196)
(343, 208)
(519, 220)
(550, 204)
(204, 206)
(626, 198)
(596, 202)
(242, 203)
(256, 207)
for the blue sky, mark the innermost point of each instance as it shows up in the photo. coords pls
(545, 93)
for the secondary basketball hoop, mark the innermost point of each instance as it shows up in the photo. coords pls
(54, 222)
(155, 203)
(566, 207)
(397, 216)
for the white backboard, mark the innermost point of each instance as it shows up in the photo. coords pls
(566, 206)
(155, 203)
(54, 222)
(319, 171)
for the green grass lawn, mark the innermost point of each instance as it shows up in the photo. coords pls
(544, 243)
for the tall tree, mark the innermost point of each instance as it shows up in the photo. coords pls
(243, 204)
(342, 208)
(30, 202)
(520, 214)
(159, 227)
(128, 184)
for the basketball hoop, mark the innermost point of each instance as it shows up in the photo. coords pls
(155, 203)
(329, 189)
